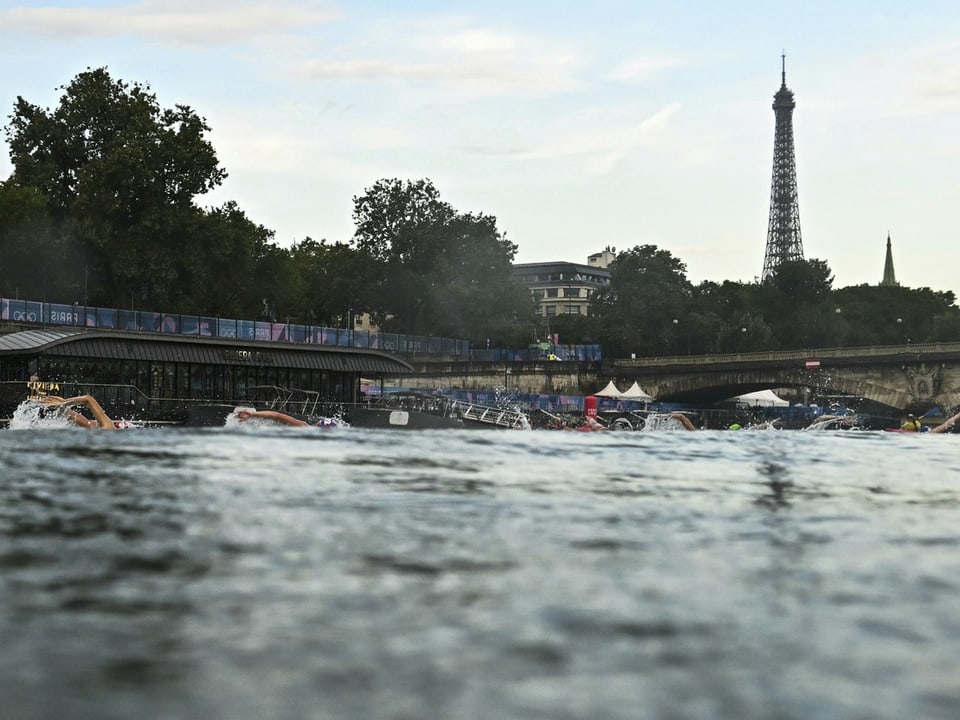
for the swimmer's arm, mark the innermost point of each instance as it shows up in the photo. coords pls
(101, 419)
(278, 417)
(946, 424)
(684, 420)
(78, 419)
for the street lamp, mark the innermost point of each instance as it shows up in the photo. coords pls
(900, 331)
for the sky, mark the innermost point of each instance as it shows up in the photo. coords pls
(578, 126)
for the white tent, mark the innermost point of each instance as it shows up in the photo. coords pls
(761, 398)
(610, 391)
(635, 392)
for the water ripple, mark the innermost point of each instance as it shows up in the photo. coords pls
(228, 573)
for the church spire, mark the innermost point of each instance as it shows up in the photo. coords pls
(889, 276)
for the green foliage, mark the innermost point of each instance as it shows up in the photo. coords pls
(332, 282)
(798, 309)
(439, 271)
(648, 290)
(32, 250)
(803, 281)
(119, 174)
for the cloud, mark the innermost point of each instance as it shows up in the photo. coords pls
(641, 69)
(936, 79)
(460, 78)
(602, 147)
(464, 59)
(186, 21)
(479, 41)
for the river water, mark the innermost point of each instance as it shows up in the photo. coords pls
(299, 573)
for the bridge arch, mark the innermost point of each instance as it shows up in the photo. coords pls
(715, 387)
(897, 377)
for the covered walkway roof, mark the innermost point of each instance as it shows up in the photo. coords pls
(125, 345)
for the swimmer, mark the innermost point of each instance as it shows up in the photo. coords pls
(245, 414)
(683, 420)
(101, 420)
(946, 425)
(833, 422)
(592, 425)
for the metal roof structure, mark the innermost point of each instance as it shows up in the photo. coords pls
(124, 345)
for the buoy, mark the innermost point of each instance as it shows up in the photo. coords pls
(590, 406)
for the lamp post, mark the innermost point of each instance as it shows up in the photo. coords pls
(900, 331)
(506, 380)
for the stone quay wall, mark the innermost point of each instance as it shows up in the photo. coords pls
(547, 378)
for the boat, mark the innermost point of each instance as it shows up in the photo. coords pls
(407, 411)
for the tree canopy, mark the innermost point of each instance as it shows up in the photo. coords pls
(649, 308)
(437, 269)
(648, 290)
(119, 175)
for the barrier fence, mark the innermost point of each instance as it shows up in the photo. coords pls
(42, 313)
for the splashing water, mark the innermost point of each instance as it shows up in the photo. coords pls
(657, 422)
(34, 415)
(31, 415)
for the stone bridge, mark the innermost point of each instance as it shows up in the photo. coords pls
(906, 377)
(903, 377)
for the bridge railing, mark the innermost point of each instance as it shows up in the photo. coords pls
(912, 349)
(29, 312)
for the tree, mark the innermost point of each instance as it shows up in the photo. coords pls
(799, 307)
(120, 174)
(332, 282)
(882, 315)
(442, 272)
(226, 265)
(648, 290)
(478, 295)
(32, 250)
(400, 226)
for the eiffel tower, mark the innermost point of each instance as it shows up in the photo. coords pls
(783, 232)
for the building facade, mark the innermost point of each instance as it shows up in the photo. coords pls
(177, 378)
(565, 288)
